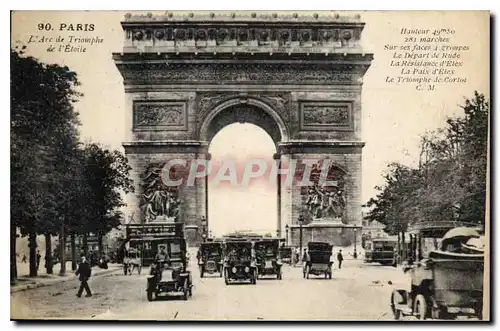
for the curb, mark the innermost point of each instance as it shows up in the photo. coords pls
(26, 287)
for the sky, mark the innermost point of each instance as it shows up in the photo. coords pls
(393, 116)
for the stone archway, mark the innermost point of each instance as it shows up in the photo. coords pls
(299, 77)
(244, 110)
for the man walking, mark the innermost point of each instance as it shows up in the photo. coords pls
(38, 257)
(84, 272)
(340, 258)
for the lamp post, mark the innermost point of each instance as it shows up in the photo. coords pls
(204, 228)
(286, 234)
(301, 220)
(355, 255)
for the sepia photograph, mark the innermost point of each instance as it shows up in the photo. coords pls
(250, 165)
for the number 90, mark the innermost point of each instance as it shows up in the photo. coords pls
(46, 27)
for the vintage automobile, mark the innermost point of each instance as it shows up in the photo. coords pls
(286, 254)
(380, 250)
(170, 276)
(319, 260)
(267, 257)
(211, 258)
(239, 264)
(132, 261)
(443, 283)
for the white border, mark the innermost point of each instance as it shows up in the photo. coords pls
(191, 5)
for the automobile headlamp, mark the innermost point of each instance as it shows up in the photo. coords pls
(247, 269)
(234, 270)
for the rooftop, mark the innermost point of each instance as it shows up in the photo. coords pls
(245, 16)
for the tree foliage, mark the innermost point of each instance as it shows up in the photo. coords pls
(57, 184)
(450, 181)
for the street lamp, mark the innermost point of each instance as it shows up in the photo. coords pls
(203, 228)
(286, 234)
(355, 255)
(301, 220)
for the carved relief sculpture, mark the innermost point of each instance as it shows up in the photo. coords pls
(326, 115)
(324, 202)
(157, 199)
(162, 114)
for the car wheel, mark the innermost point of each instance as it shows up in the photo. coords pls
(396, 312)
(185, 289)
(420, 308)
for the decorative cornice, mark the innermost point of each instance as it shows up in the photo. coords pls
(244, 72)
(174, 32)
(320, 147)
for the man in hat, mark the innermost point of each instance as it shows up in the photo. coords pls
(84, 271)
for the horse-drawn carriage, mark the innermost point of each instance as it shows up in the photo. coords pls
(319, 260)
(267, 258)
(444, 281)
(211, 258)
(239, 264)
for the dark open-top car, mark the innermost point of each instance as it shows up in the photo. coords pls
(210, 258)
(319, 260)
(267, 258)
(239, 265)
(168, 273)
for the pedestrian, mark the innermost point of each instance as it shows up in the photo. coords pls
(340, 258)
(84, 271)
(24, 258)
(38, 257)
(305, 257)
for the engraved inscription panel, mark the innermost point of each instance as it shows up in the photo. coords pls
(160, 115)
(332, 116)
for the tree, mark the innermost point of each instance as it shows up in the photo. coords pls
(450, 181)
(42, 113)
(106, 175)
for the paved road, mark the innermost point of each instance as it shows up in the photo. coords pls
(356, 292)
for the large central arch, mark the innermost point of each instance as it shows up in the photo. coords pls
(299, 77)
(244, 109)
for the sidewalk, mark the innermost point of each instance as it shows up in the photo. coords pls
(24, 282)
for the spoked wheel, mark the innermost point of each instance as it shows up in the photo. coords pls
(421, 308)
(396, 312)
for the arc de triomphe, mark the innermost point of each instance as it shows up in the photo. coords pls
(297, 76)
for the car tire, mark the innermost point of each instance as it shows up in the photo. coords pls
(185, 289)
(396, 312)
(420, 307)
